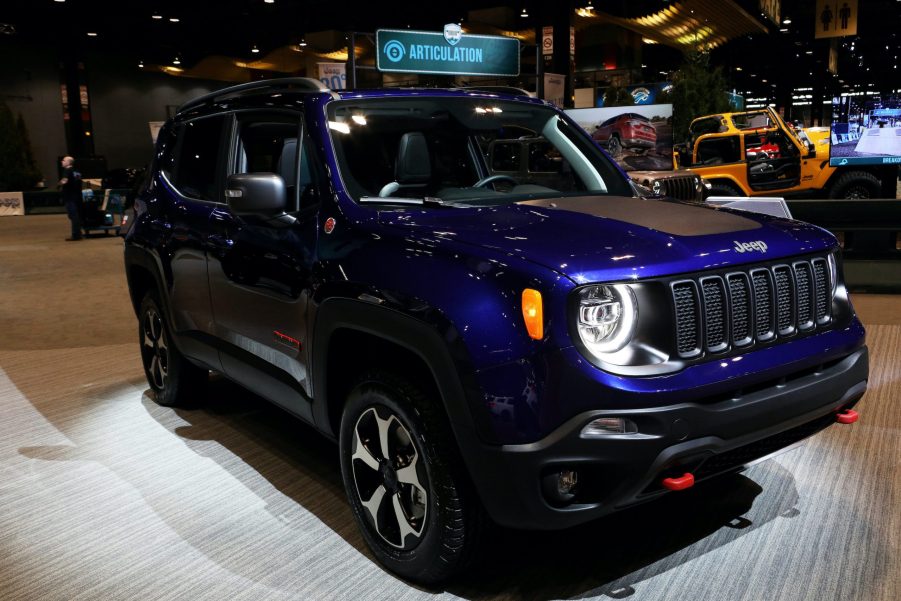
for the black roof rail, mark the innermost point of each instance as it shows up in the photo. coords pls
(300, 83)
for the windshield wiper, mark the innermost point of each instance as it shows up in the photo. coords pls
(425, 201)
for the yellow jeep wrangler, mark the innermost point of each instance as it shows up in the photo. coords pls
(755, 153)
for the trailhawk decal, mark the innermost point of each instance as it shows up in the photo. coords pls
(745, 247)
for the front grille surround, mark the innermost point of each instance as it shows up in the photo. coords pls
(683, 187)
(756, 305)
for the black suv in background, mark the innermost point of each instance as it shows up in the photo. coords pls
(539, 351)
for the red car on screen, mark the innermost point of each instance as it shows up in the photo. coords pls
(628, 130)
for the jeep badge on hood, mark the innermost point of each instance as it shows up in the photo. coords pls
(742, 247)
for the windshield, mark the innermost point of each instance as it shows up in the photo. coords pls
(464, 150)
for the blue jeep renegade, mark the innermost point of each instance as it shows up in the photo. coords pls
(537, 347)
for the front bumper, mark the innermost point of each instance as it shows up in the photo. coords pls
(705, 437)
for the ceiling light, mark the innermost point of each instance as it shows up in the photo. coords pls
(255, 50)
(269, 1)
(140, 64)
(177, 61)
(92, 34)
(524, 13)
(784, 29)
(786, 21)
(739, 69)
(59, 0)
(809, 52)
(173, 19)
(302, 43)
(157, 17)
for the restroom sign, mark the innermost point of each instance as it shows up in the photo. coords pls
(835, 18)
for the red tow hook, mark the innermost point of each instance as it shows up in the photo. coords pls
(848, 416)
(687, 480)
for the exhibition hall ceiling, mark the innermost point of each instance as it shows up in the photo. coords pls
(262, 34)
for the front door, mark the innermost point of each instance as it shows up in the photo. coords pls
(260, 269)
(774, 163)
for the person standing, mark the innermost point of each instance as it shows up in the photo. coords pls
(70, 188)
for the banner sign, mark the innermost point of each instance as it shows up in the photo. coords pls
(450, 53)
(644, 93)
(333, 75)
(11, 203)
(835, 18)
(554, 88)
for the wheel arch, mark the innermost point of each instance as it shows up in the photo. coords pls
(374, 336)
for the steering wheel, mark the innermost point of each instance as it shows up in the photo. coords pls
(494, 178)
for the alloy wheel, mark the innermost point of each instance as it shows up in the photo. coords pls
(390, 480)
(155, 348)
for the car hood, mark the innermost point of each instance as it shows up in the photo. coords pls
(608, 238)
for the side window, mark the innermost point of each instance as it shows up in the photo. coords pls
(715, 151)
(543, 157)
(505, 156)
(271, 144)
(198, 158)
(168, 143)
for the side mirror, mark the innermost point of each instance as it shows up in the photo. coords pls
(261, 194)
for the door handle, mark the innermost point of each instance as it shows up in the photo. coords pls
(220, 242)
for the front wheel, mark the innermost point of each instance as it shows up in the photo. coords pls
(614, 146)
(405, 482)
(723, 189)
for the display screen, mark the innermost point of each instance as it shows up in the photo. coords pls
(865, 131)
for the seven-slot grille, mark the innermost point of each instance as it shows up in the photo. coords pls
(715, 313)
(681, 187)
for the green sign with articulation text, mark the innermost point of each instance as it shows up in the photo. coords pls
(450, 53)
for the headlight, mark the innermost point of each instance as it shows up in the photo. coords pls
(607, 317)
(707, 184)
(657, 187)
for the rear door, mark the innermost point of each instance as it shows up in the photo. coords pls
(191, 182)
(260, 271)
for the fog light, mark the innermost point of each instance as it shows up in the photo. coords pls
(605, 426)
(561, 487)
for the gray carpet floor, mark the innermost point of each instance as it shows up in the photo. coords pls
(105, 495)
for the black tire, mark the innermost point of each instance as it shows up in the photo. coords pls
(175, 381)
(856, 185)
(615, 146)
(443, 519)
(724, 189)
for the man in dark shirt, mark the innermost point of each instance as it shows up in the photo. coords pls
(70, 187)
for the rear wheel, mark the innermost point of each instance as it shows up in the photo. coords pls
(174, 380)
(856, 184)
(405, 481)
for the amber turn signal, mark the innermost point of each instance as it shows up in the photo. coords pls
(532, 313)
